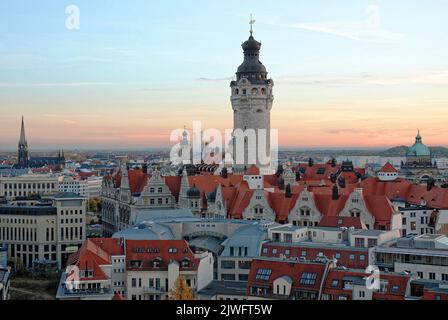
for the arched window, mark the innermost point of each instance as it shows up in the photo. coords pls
(237, 91)
(254, 91)
(263, 91)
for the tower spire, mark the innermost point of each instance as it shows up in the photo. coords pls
(251, 22)
(23, 157)
(22, 139)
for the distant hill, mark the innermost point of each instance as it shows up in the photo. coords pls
(400, 151)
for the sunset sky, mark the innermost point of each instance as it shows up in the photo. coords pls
(347, 73)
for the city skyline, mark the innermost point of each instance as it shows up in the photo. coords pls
(350, 74)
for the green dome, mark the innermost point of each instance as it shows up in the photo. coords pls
(418, 149)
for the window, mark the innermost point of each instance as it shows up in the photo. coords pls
(395, 289)
(337, 256)
(371, 243)
(352, 257)
(413, 226)
(432, 276)
(134, 283)
(444, 276)
(362, 257)
(308, 278)
(359, 242)
(172, 250)
(335, 283)
(228, 264)
(362, 294)
(263, 274)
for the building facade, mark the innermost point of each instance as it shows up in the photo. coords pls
(43, 231)
(134, 269)
(28, 185)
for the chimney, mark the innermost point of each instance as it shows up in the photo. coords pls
(430, 184)
(335, 192)
(341, 181)
(310, 162)
(281, 183)
(288, 193)
(333, 162)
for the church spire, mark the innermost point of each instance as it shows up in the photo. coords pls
(22, 139)
(22, 152)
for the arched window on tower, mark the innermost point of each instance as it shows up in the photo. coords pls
(254, 91)
(263, 91)
(237, 91)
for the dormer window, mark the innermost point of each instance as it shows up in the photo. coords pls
(185, 263)
(156, 262)
(136, 263)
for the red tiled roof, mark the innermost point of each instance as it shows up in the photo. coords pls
(149, 250)
(380, 207)
(329, 207)
(137, 180)
(281, 268)
(436, 198)
(253, 170)
(94, 253)
(281, 204)
(173, 183)
(398, 281)
(388, 168)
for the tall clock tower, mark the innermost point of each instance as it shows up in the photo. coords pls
(251, 98)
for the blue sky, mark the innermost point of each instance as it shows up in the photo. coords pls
(137, 69)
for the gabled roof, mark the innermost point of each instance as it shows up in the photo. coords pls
(253, 170)
(93, 254)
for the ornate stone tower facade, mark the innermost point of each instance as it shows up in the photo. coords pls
(22, 152)
(251, 99)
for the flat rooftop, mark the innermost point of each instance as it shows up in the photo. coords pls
(231, 288)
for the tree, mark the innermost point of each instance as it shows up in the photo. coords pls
(181, 290)
(95, 204)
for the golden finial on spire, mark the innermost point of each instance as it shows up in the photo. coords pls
(251, 22)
